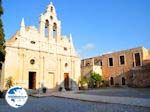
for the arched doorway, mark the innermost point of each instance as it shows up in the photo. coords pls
(123, 81)
(66, 81)
(32, 80)
(111, 81)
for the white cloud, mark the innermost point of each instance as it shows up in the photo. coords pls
(85, 50)
(88, 46)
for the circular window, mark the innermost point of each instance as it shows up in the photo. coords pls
(32, 61)
(51, 17)
(66, 64)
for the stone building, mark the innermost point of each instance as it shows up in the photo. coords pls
(41, 57)
(120, 68)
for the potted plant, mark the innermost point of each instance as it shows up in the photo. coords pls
(9, 82)
(60, 88)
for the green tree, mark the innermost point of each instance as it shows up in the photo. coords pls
(96, 76)
(2, 39)
(96, 79)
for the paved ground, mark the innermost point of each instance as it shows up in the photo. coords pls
(144, 102)
(120, 92)
(57, 104)
(54, 104)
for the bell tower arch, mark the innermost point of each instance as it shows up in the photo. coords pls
(50, 26)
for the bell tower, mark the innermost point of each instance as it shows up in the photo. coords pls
(50, 26)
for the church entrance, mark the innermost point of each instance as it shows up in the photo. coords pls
(32, 80)
(66, 81)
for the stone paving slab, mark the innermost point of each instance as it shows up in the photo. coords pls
(41, 95)
(106, 99)
(119, 92)
(47, 94)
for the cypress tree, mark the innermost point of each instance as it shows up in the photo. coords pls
(2, 39)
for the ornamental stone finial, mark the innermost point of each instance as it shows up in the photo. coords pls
(22, 23)
(51, 3)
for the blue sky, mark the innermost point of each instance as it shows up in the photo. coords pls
(97, 26)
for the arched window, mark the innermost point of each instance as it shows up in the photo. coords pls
(51, 9)
(51, 17)
(46, 28)
(66, 64)
(54, 30)
(111, 81)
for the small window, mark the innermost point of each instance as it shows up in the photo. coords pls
(122, 60)
(137, 59)
(32, 61)
(54, 27)
(87, 64)
(46, 24)
(110, 61)
(51, 9)
(65, 48)
(51, 17)
(101, 63)
(66, 64)
(32, 42)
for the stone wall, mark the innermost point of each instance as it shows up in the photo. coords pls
(122, 71)
(140, 77)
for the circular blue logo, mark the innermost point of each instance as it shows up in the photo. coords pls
(16, 96)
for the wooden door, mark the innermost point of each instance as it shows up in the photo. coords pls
(32, 80)
(66, 81)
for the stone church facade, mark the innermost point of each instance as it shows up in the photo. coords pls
(41, 57)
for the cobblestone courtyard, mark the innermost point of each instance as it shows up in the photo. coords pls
(121, 92)
(56, 104)
(53, 104)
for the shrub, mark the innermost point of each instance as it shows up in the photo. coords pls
(95, 79)
(9, 82)
(83, 81)
(3, 93)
